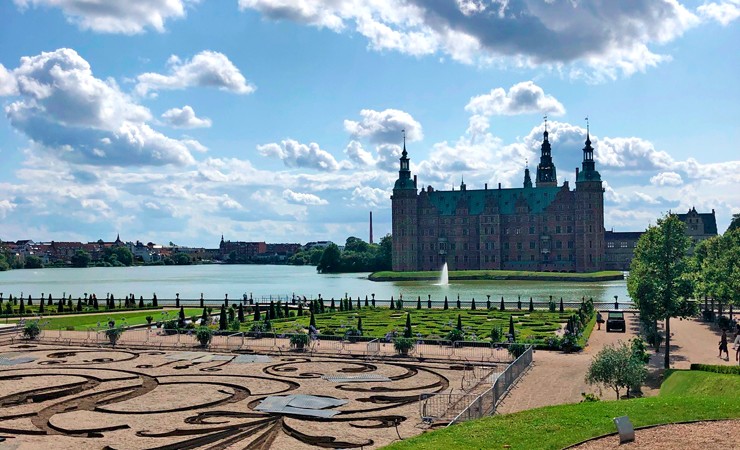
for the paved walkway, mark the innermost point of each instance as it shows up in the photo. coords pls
(556, 378)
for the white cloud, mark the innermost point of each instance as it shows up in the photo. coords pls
(206, 69)
(83, 119)
(522, 98)
(6, 207)
(384, 126)
(303, 198)
(127, 17)
(295, 154)
(185, 118)
(357, 154)
(370, 197)
(7, 82)
(666, 179)
(610, 38)
(723, 12)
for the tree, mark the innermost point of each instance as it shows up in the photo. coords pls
(512, 333)
(81, 258)
(240, 314)
(459, 323)
(355, 244)
(118, 256)
(616, 367)
(181, 259)
(312, 321)
(222, 323)
(385, 253)
(735, 223)
(407, 329)
(716, 268)
(446, 305)
(257, 312)
(33, 262)
(330, 260)
(658, 281)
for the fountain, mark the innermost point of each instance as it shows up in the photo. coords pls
(444, 278)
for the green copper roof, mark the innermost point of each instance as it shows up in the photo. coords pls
(537, 198)
(589, 175)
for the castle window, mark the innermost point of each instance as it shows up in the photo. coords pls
(622, 245)
(610, 244)
(589, 244)
(570, 229)
(485, 258)
(531, 230)
(518, 230)
(560, 257)
(590, 228)
(557, 228)
(531, 257)
(558, 244)
(456, 258)
(506, 245)
(518, 245)
(532, 244)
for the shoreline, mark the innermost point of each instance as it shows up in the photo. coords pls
(498, 275)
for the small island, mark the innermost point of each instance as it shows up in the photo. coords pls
(467, 275)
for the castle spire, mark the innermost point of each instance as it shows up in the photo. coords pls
(546, 173)
(527, 177)
(404, 173)
(588, 166)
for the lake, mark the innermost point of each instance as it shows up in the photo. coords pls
(263, 281)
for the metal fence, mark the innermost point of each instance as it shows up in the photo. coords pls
(458, 407)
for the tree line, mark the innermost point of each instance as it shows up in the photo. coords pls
(357, 256)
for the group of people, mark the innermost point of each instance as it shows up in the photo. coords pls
(736, 345)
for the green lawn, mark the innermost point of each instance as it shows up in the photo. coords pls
(132, 318)
(497, 275)
(431, 323)
(555, 427)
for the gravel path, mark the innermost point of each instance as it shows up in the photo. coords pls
(724, 434)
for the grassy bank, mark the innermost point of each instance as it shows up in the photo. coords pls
(465, 275)
(555, 427)
(86, 321)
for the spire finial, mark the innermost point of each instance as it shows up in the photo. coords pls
(545, 122)
(404, 138)
(526, 163)
(588, 132)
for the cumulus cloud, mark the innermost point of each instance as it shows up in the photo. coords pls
(81, 118)
(723, 12)
(303, 198)
(384, 126)
(370, 197)
(129, 17)
(667, 179)
(610, 37)
(522, 98)
(358, 155)
(7, 82)
(6, 207)
(295, 154)
(184, 118)
(206, 69)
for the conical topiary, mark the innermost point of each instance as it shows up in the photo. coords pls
(531, 305)
(501, 306)
(393, 303)
(459, 322)
(312, 321)
(257, 312)
(240, 313)
(407, 330)
(472, 305)
(446, 306)
(222, 324)
(511, 329)
(418, 302)
(561, 304)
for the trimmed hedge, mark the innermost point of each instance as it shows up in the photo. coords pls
(732, 370)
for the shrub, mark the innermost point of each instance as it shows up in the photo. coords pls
(234, 325)
(352, 334)
(551, 306)
(298, 341)
(569, 342)
(732, 370)
(204, 336)
(497, 334)
(553, 343)
(615, 367)
(455, 335)
(639, 350)
(403, 345)
(589, 397)
(31, 330)
(113, 334)
(149, 320)
(516, 349)
(724, 322)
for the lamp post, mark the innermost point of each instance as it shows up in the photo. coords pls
(616, 302)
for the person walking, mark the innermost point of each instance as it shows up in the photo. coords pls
(736, 345)
(599, 319)
(723, 345)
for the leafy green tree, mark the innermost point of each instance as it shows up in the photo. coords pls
(181, 259)
(33, 262)
(716, 268)
(81, 258)
(616, 367)
(330, 260)
(735, 223)
(118, 256)
(658, 281)
(386, 252)
(4, 265)
(355, 244)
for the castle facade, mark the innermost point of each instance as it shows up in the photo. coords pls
(541, 226)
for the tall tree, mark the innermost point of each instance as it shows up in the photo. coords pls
(330, 260)
(735, 223)
(81, 258)
(658, 281)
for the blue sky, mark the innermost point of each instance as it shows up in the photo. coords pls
(278, 120)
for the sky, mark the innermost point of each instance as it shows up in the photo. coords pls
(280, 120)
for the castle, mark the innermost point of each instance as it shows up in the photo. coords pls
(539, 227)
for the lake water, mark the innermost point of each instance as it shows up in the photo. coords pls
(215, 281)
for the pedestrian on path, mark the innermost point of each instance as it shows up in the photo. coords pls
(723, 345)
(599, 319)
(736, 345)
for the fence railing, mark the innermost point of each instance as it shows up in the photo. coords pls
(457, 407)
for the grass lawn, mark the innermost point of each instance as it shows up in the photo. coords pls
(498, 275)
(430, 323)
(555, 427)
(132, 318)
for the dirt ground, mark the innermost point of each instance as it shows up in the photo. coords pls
(723, 434)
(75, 397)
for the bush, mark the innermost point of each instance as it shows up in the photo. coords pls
(352, 334)
(516, 349)
(31, 330)
(403, 345)
(553, 343)
(204, 336)
(497, 334)
(639, 350)
(732, 370)
(149, 319)
(551, 306)
(615, 367)
(707, 315)
(589, 397)
(724, 322)
(298, 341)
(234, 325)
(455, 335)
(113, 334)
(569, 342)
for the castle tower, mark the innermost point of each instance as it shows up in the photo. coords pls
(589, 213)
(527, 178)
(546, 173)
(404, 217)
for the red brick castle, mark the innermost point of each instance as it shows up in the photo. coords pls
(540, 227)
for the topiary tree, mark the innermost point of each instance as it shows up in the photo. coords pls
(458, 301)
(497, 333)
(511, 329)
(31, 330)
(49, 302)
(141, 301)
(446, 306)
(519, 302)
(30, 300)
(359, 323)
(300, 308)
(561, 304)
(312, 321)
(22, 307)
(222, 322)
(501, 306)
(472, 305)
(154, 300)
(300, 340)
(204, 335)
(41, 305)
(240, 314)
(257, 311)
(459, 322)
(531, 305)
(616, 367)
(418, 303)
(114, 334)
(332, 306)
(79, 304)
(393, 303)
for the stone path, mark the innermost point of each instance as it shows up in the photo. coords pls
(556, 378)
